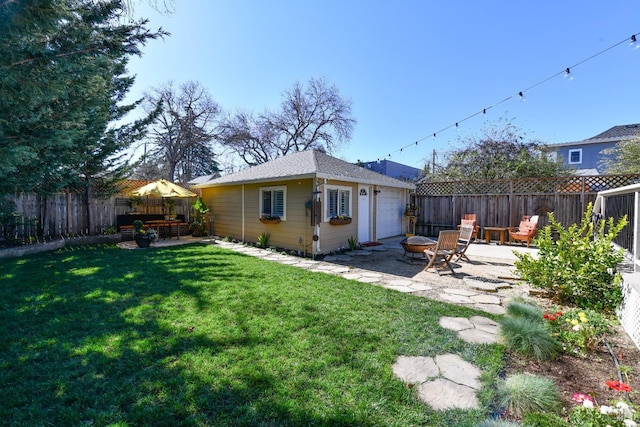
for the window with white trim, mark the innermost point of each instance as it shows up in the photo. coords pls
(575, 156)
(337, 201)
(273, 201)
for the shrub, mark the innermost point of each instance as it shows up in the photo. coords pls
(352, 241)
(580, 331)
(529, 338)
(263, 240)
(524, 309)
(576, 268)
(540, 419)
(524, 393)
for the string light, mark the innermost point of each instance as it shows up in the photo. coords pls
(566, 72)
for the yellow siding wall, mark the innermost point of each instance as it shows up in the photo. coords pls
(294, 233)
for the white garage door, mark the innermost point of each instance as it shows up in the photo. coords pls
(390, 212)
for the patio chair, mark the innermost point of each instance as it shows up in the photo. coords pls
(526, 231)
(440, 256)
(470, 219)
(466, 236)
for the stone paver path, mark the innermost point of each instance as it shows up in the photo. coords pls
(447, 381)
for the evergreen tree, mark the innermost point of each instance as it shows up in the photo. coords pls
(62, 78)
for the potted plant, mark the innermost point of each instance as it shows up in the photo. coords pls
(143, 237)
(410, 210)
(198, 226)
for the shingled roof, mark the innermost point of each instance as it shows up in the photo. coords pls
(614, 134)
(306, 164)
(620, 132)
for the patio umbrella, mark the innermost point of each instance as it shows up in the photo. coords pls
(162, 188)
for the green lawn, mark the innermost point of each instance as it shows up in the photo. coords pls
(198, 335)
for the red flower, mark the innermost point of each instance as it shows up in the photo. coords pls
(617, 385)
(546, 316)
(558, 313)
(551, 318)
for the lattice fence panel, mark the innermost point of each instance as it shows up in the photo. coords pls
(629, 313)
(570, 184)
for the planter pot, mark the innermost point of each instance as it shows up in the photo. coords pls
(142, 241)
(270, 220)
(339, 221)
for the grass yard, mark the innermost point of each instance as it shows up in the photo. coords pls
(198, 335)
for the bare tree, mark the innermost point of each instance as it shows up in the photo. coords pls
(313, 117)
(182, 137)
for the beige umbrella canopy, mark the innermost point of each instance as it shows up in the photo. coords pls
(162, 188)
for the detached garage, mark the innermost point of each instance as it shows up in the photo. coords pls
(390, 209)
(307, 201)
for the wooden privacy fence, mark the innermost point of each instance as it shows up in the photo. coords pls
(502, 203)
(65, 214)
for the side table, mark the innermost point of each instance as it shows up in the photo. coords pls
(501, 230)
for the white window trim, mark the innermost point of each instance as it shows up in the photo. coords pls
(284, 195)
(575, 150)
(326, 199)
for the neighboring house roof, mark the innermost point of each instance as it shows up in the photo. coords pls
(306, 164)
(614, 134)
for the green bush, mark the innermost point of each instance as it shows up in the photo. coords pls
(524, 393)
(524, 309)
(579, 331)
(529, 338)
(540, 419)
(263, 240)
(575, 268)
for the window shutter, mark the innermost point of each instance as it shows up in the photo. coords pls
(332, 203)
(278, 203)
(344, 203)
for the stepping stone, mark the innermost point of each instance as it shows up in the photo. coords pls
(458, 370)
(455, 323)
(339, 270)
(443, 394)
(403, 289)
(351, 276)
(363, 253)
(400, 282)
(369, 279)
(491, 308)
(421, 287)
(462, 292)
(415, 369)
(485, 324)
(477, 336)
(486, 299)
(366, 273)
(456, 299)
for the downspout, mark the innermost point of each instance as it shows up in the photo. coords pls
(243, 213)
(318, 250)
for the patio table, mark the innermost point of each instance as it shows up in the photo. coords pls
(502, 231)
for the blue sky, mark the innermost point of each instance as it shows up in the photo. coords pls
(411, 68)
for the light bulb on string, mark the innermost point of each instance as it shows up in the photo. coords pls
(484, 111)
(567, 74)
(634, 42)
(522, 98)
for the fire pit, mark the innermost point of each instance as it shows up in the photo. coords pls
(416, 245)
